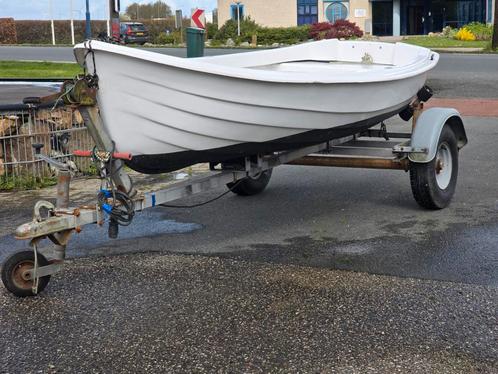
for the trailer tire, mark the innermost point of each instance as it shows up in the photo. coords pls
(251, 185)
(434, 183)
(11, 273)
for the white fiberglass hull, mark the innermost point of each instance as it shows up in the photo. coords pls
(181, 111)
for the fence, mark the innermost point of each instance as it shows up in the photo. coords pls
(58, 131)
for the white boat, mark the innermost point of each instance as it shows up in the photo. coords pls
(171, 112)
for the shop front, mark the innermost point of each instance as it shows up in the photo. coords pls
(417, 17)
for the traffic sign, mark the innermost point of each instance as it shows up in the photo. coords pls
(198, 18)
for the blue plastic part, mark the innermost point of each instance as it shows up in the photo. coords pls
(107, 208)
(107, 193)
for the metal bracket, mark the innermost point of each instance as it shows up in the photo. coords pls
(51, 161)
(408, 149)
(95, 126)
(42, 204)
(43, 271)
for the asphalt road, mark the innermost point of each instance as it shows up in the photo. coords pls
(258, 284)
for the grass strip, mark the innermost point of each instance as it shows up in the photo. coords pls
(440, 42)
(41, 69)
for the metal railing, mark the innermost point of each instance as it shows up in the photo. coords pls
(57, 132)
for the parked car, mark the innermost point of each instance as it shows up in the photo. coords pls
(133, 32)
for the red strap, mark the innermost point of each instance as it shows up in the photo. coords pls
(117, 155)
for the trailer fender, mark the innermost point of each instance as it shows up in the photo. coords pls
(428, 130)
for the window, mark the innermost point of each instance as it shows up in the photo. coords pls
(460, 12)
(307, 11)
(335, 11)
(382, 18)
(233, 11)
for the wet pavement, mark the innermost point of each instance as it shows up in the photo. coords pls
(14, 93)
(257, 284)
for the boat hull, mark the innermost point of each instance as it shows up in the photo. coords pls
(162, 163)
(169, 116)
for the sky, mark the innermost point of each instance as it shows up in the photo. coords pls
(40, 9)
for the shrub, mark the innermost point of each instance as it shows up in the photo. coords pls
(164, 38)
(156, 27)
(319, 31)
(211, 30)
(465, 35)
(340, 29)
(449, 32)
(283, 35)
(266, 35)
(229, 31)
(8, 33)
(343, 29)
(481, 31)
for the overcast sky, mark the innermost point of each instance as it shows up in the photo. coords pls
(40, 9)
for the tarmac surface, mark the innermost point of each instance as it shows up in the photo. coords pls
(330, 270)
(168, 313)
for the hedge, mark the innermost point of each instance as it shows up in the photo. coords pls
(7, 31)
(39, 32)
(266, 35)
(282, 35)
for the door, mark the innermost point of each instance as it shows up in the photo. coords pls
(415, 20)
(307, 12)
(382, 18)
(437, 13)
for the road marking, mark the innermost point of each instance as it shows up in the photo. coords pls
(467, 107)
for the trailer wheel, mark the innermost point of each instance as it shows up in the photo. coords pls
(433, 183)
(12, 273)
(251, 185)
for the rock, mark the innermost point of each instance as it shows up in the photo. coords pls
(61, 118)
(245, 44)
(230, 42)
(275, 45)
(148, 45)
(8, 125)
(77, 118)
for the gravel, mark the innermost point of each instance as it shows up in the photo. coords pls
(175, 313)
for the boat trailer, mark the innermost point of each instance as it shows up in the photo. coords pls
(429, 153)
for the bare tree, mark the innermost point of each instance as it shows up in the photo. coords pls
(158, 9)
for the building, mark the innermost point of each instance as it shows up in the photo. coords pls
(378, 17)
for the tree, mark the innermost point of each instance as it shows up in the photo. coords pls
(494, 41)
(158, 9)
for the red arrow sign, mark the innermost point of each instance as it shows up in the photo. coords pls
(196, 18)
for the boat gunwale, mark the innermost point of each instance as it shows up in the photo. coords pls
(203, 66)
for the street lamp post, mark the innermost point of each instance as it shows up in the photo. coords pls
(238, 17)
(72, 23)
(51, 11)
(88, 27)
